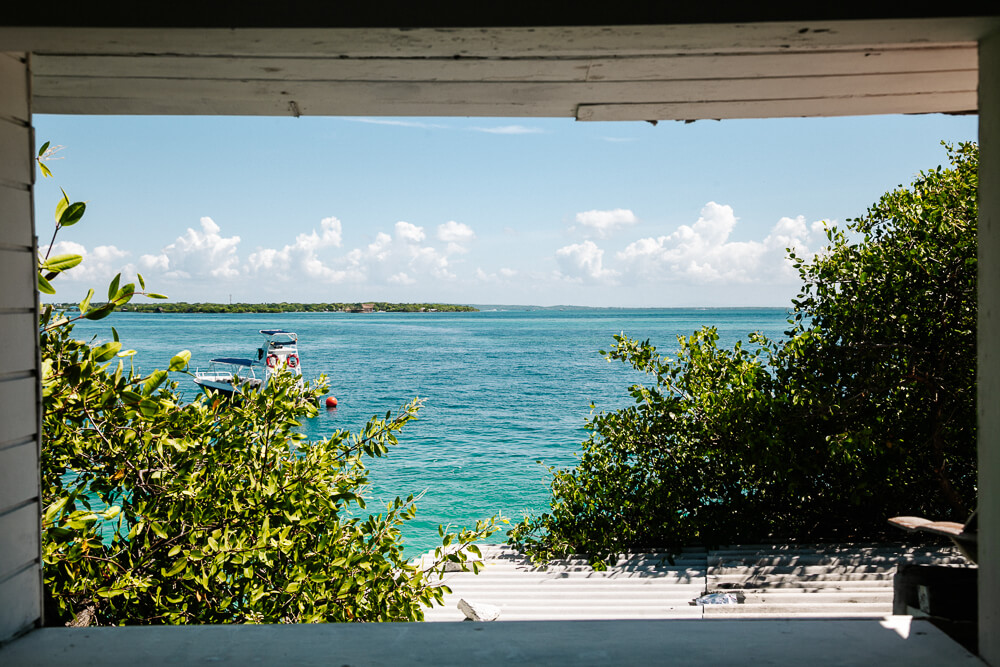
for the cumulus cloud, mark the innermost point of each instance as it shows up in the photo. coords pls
(606, 223)
(204, 253)
(704, 253)
(409, 233)
(455, 232)
(399, 258)
(509, 129)
(457, 235)
(302, 255)
(584, 262)
(101, 263)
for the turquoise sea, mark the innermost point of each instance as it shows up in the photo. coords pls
(502, 389)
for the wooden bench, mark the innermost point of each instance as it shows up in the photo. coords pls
(965, 536)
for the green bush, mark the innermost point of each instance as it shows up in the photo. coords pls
(865, 410)
(212, 511)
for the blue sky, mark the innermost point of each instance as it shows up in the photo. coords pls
(469, 210)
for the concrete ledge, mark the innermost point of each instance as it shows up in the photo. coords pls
(896, 640)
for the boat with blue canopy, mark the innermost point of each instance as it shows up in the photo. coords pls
(278, 353)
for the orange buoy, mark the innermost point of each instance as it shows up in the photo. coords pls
(331, 402)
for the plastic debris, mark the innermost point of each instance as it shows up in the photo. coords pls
(717, 598)
(478, 611)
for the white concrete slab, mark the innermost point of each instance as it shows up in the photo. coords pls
(885, 642)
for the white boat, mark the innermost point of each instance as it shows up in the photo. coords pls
(279, 353)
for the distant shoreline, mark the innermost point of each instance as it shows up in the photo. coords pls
(283, 307)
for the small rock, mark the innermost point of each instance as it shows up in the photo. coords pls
(479, 611)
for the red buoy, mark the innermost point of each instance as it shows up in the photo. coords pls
(331, 402)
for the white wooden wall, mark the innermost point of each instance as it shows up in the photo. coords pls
(20, 564)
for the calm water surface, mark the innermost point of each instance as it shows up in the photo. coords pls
(501, 390)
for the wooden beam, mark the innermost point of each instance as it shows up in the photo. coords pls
(573, 41)
(636, 68)
(64, 95)
(953, 102)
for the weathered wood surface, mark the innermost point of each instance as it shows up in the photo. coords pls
(773, 581)
(585, 72)
(505, 42)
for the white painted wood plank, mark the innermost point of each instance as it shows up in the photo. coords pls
(14, 101)
(263, 106)
(21, 605)
(694, 90)
(20, 539)
(20, 421)
(15, 216)
(312, 68)
(587, 41)
(638, 68)
(957, 102)
(19, 476)
(15, 147)
(785, 63)
(18, 277)
(20, 337)
(449, 98)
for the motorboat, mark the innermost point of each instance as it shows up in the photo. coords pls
(278, 353)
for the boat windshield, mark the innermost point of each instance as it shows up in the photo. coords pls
(232, 361)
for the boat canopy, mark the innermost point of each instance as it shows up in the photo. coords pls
(233, 361)
(280, 335)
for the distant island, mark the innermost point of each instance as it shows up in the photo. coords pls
(283, 307)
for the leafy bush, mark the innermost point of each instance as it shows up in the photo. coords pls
(213, 511)
(865, 410)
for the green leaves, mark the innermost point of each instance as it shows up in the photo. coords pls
(85, 304)
(113, 287)
(61, 262)
(866, 409)
(218, 512)
(164, 510)
(44, 286)
(180, 361)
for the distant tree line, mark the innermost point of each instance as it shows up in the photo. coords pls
(283, 307)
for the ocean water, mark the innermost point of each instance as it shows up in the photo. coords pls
(501, 390)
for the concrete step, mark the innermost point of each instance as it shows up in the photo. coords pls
(876, 608)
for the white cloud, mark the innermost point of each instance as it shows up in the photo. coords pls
(203, 253)
(605, 223)
(399, 123)
(584, 262)
(401, 279)
(302, 255)
(455, 232)
(457, 235)
(99, 265)
(399, 258)
(703, 253)
(503, 275)
(409, 232)
(509, 129)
